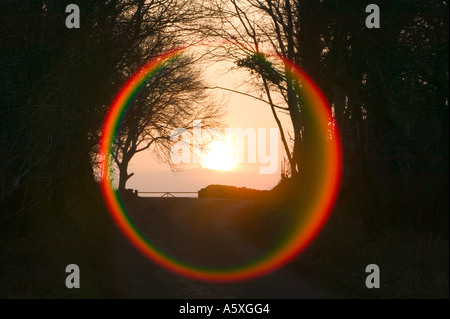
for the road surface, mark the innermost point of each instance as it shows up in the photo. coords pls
(199, 232)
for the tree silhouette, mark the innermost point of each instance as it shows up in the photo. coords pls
(388, 89)
(171, 100)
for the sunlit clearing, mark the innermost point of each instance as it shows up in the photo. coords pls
(218, 155)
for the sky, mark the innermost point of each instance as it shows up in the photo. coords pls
(241, 112)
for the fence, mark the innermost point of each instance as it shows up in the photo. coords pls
(168, 194)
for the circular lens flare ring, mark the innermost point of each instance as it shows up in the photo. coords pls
(319, 210)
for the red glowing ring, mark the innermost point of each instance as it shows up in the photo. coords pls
(321, 202)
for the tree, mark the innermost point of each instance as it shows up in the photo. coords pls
(55, 88)
(172, 99)
(57, 84)
(258, 26)
(387, 88)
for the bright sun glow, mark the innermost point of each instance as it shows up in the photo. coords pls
(218, 155)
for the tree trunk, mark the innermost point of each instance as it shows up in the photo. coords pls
(123, 174)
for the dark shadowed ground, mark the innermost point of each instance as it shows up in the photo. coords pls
(201, 232)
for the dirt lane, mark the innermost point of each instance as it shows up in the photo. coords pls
(200, 232)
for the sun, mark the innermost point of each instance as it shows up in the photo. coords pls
(218, 155)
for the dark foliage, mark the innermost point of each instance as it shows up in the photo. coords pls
(55, 88)
(388, 88)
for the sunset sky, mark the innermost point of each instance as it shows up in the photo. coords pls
(241, 112)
